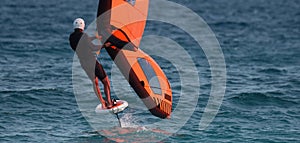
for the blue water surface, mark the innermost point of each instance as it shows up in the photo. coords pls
(259, 39)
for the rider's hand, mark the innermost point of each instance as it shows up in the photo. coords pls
(107, 44)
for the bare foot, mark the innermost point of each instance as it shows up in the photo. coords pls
(109, 106)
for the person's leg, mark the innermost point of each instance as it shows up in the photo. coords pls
(100, 73)
(95, 82)
(106, 85)
(98, 92)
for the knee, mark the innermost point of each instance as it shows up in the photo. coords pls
(105, 81)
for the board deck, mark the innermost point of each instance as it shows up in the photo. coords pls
(119, 107)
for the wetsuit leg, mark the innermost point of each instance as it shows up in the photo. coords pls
(99, 71)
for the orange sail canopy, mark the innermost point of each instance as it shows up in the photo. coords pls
(128, 17)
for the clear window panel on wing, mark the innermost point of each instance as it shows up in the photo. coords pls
(151, 75)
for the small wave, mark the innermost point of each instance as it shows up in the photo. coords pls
(27, 90)
(2, 127)
(295, 82)
(232, 23)
(36, 97)
(263, 99)
(272, 71)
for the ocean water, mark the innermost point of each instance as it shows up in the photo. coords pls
(259, 40)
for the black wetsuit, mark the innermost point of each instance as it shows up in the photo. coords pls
(81, 43)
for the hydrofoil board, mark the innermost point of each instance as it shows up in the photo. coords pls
(118, 107)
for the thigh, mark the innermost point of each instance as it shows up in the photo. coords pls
(99, 71)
